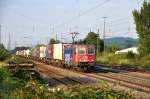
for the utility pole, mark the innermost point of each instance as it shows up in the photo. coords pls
(97, 41)
(9, 42)
(56, 38)
(33, 29)
(15, 44)
(90, 30)
(129, 30)
(53, 29)
(104, 33)
(61, 38)
(74, 35)
(0, 35)
(70, 30)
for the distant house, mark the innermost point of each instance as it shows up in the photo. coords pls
(124, 51)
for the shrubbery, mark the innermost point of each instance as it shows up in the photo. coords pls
(16, 60)
(4, 54)
(38, 91)
(8, 84)
(129, 59)
(13, 88)
(130, 55)
(144, 62)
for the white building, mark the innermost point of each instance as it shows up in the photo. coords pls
(124, 51)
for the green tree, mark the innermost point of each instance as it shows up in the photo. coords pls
(52, 41)
(2, 46)
(142, 21)
(114, 48)
(91, 38)
(4, 54)
(80, 42)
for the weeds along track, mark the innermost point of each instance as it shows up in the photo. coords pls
(127, 70)
(116, 76)
(137, 74)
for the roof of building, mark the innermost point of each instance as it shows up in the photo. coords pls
(132, 49)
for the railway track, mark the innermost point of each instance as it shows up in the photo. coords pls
(123, 80)
(144, 75)
(65, 80)
(135, 80)
(127, 69)
(130, 81)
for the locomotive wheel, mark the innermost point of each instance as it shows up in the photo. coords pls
(86, 69)
(83, 69)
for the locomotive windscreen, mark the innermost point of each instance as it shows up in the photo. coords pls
(91, 51)
(81, 50)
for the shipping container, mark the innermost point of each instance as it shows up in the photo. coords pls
(17, 53)
(26, 53)
(48, 53)
(68, 54)
(40, 52)
(58, 51)
(35, 52)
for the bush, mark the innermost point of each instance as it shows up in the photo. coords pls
(4, 54)
(129, 59)
(34, 90)
(130, 55)
(144, 62)
(16, 60)
(13, 88)
(8, 83)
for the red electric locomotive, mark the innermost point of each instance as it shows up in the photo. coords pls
(81, 57)
(84, 56)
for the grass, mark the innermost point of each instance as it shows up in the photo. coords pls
(128, 59)
(16, 60)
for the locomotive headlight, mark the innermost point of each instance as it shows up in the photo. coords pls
(86, 57)
(85, 60)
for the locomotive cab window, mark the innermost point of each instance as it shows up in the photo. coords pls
(91, 51)
(81, 50)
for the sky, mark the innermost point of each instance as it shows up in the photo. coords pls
(31, 22)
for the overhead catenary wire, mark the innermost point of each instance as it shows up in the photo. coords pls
(0, 35)
(80, 15)
(124, 28)
(41, 21)
(120, 23)
(56, 26)
(83, 13)
(115, 23)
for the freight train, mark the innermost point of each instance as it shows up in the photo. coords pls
(77, 57)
